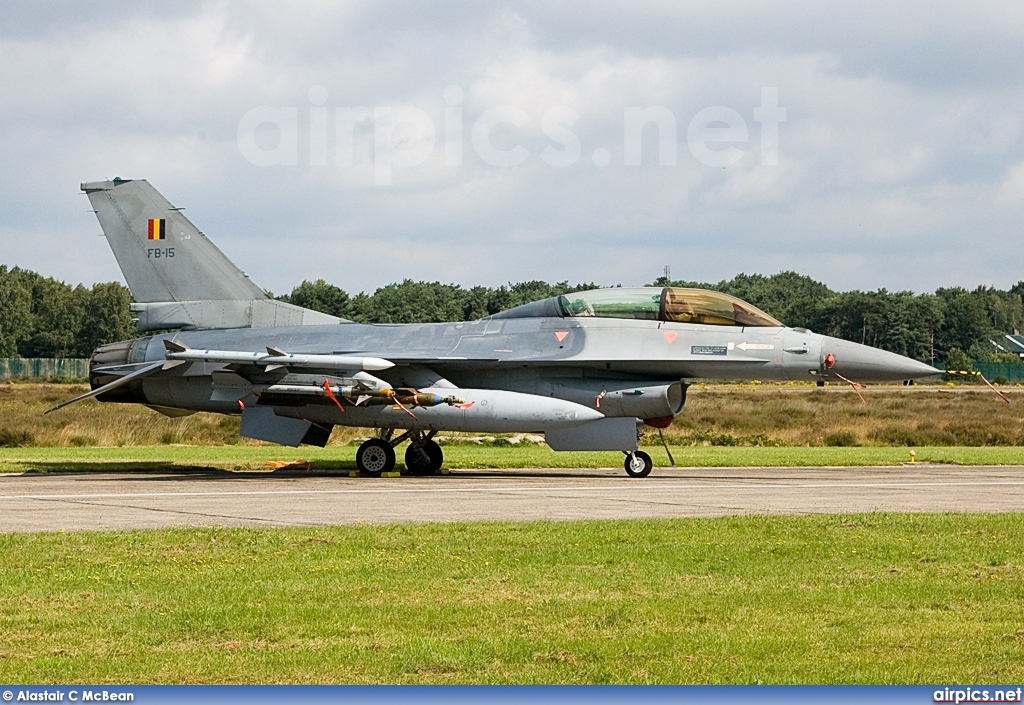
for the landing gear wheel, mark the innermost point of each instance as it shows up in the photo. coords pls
(638, 464)
(423, 458)
(374, 457)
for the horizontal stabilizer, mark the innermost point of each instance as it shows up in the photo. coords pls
(119, 382)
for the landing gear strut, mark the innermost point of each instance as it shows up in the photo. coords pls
(638, 464)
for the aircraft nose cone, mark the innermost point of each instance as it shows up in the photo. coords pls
(862, 363)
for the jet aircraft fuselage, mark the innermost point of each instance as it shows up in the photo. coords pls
(586, 369)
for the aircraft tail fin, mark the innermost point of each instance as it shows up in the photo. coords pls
(177, 276)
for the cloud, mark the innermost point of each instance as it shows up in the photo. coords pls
(902, 141)
(1011, 191)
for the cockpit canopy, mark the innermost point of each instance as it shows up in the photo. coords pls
(674, 304)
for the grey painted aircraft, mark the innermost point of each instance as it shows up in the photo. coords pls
(588, 369)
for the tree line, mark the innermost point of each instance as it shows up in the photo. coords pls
(423, 302)
(952, 325)
(43, 317)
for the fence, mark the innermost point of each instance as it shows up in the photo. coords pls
(40, 367)
(1012, 371)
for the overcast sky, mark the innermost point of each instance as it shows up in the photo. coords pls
(900, 162)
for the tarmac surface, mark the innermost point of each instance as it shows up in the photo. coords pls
(54, 502)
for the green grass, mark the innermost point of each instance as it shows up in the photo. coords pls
(852, 599)
(342, 458)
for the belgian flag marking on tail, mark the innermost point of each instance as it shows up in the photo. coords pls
(157, 228)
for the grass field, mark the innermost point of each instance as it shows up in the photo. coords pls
(342, 458)
(734, 425)
(726, 415)
(852, 599)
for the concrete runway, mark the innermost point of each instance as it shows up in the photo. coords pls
(53, 502)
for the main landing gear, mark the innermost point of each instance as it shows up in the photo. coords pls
(424, 456)
(377, 455)
(374, 457)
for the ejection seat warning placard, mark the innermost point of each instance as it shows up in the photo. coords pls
(708, 349)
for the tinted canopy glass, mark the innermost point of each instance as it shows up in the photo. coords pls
(712, 308)
(674, 304)
(614, 303)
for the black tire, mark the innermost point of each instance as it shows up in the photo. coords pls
(638, 464)
(423, 458)
(374, 457)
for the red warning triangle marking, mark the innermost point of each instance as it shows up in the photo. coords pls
(561, 335)
(670, 336)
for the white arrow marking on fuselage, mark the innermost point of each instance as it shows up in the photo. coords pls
(755, 346)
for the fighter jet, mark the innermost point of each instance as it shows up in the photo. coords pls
(589, 370)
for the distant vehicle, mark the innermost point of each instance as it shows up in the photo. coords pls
(588, 369)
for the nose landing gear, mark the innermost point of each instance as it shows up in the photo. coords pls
(638, 464)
